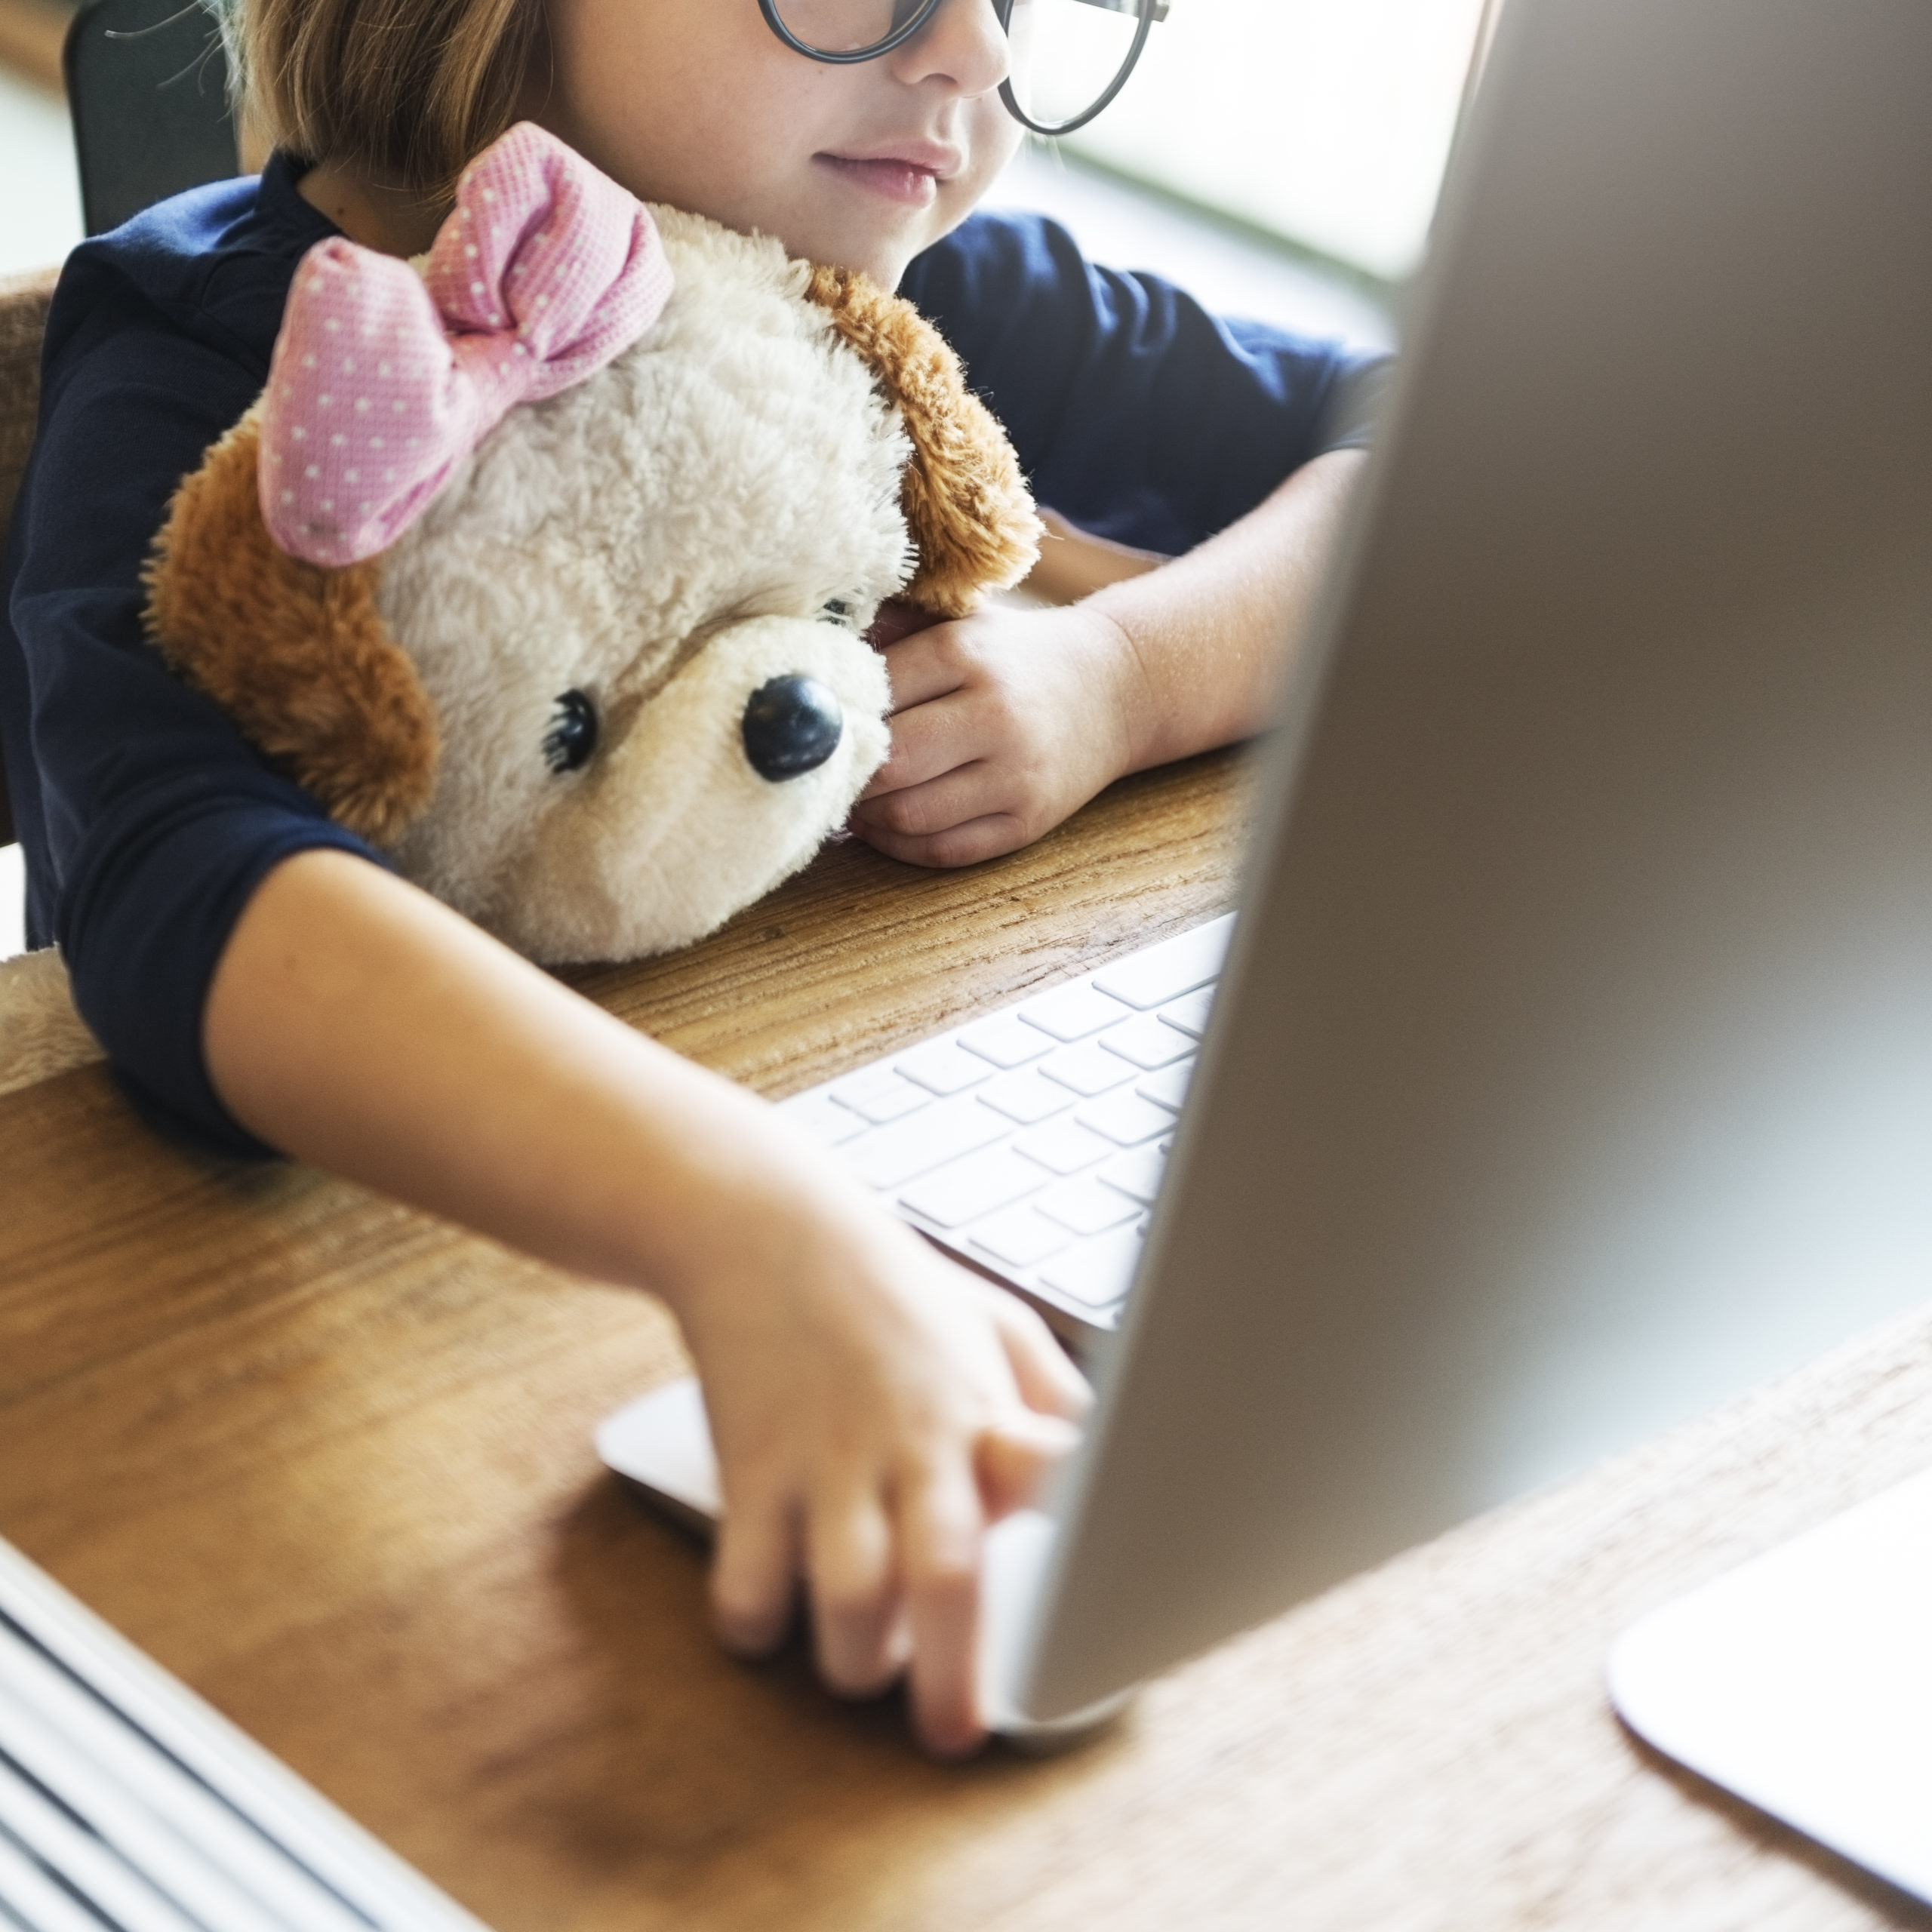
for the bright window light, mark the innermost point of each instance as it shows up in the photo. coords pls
(1325, 121)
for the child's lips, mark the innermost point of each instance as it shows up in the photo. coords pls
(912, 180)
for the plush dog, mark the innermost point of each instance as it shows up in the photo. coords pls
(545, 564)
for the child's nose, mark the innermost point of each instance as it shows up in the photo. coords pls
(963, 43)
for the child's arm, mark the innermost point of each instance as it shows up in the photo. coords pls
(1007, 721)
(873, 1405)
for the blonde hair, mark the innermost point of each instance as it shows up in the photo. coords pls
(405, 91)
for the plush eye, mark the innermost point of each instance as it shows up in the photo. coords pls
(834, 610)
(572, 736)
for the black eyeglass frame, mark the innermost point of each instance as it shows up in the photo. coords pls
(1151, 10)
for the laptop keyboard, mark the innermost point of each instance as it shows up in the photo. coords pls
(1032, 1141)
(126, 1805)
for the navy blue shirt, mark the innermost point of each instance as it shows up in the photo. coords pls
(147, 820)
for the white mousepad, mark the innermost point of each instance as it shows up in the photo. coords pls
(1802, 1681)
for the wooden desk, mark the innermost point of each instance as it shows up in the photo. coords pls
(330, 1462)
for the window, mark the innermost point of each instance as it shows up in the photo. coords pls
(1324, 122)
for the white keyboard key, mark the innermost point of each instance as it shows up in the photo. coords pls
(1097, 1272)
(1125, 1118)
(1022, 1095)
(1088, 1068)
(1086, 1206)
(1169, 1086)
(1148, 1041)
(823, 1118)
(963, 1191)
(1174, 966)
(940, 1066)
(890, 1156)
(879, 1093)
(1005, 1039)
(1190, 1015)
(1065, 1145)
(1020, 1236)
(1071, 1012)
(1137, 1172)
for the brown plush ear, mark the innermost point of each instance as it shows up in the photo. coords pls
(299, 657)
(965, 503)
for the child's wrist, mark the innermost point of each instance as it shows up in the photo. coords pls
(1123, 704)
(748, 1200)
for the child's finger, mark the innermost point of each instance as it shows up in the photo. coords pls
(899, 1642)
(1047, 1380)
(967, 844)
(924, 666)
(754, 1575)
(897, 619)
(1016, 1455)
(964, 792)
(940, 1523)
(855, 1597)
(927, 742)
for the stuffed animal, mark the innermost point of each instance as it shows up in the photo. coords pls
(545, 564)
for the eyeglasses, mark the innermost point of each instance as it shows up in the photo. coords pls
(1070, 57)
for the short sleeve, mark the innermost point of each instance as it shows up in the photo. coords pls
(1136, 413)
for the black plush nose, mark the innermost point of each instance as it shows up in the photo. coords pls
(792, 726)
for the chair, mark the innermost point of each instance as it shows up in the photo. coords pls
(23, 300)
(147, 84)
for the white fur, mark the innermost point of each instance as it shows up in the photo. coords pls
(664, 536)
(41, 1035)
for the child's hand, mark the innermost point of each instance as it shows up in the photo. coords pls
(1003, 723)
(874, 1408)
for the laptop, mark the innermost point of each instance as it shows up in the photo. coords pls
(1570, 1065)
(127, 1803)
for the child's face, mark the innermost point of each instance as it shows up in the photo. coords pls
(697, 103)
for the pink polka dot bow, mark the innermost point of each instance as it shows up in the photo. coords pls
(382, 382)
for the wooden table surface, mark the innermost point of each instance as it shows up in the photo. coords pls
(330, 1460)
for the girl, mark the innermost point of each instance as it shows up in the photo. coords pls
(262, 981)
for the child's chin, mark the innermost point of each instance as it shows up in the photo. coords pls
(883, 256)
(856, 230)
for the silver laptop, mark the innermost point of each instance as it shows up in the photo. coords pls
(1571, 1067)
(127, 1804)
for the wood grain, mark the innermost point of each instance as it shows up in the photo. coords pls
(331, 1461)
